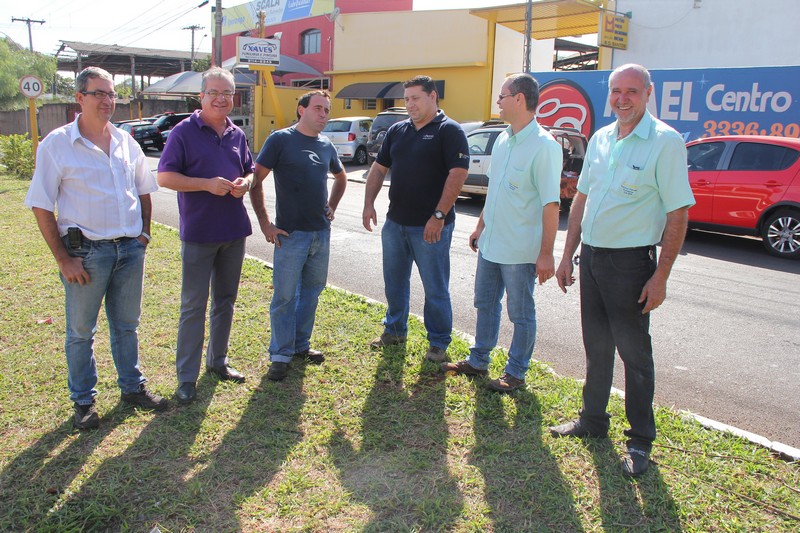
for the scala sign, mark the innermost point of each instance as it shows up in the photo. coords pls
(254, 51)
(31, 86)
(699, 102)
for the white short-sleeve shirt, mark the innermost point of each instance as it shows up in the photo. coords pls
(96, 192)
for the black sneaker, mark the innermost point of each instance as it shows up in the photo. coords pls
(635, 462)
(85, 416)
(146, 399)
(278, 371)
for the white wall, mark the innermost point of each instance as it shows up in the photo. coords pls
(509, 47)
(711, 33)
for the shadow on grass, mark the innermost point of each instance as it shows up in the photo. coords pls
(133, 487)
(161, 477)
(400, 470)
(641, 504)
(524, 487)
(34, 483)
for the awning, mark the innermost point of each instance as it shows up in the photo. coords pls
(189, 83)
(370, 90)
(396, 92)
(549, 18)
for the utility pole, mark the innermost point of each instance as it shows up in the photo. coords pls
(218, 33)
(194, 28)
(28, 22)
(526, 59)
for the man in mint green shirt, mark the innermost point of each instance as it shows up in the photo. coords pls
(515, 234)
(633, 192)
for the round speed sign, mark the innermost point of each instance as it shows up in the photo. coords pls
(31, 86)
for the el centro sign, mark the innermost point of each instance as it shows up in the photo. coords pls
(255, 51)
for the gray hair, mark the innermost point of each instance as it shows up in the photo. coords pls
(90, 73)
(527, 86)
(217, 73)
(639, 69)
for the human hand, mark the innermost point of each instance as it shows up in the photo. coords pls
(564, 274)
(73, 271)
(219, 186)
(473, 240)
(433, 230)
(273, 233)
(369, 217)
(545, 267)
(240, 187)
(653, 294)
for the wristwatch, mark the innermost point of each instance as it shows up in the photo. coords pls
(439, 215)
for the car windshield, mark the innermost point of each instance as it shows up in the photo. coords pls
(337, 125)
(382, 122)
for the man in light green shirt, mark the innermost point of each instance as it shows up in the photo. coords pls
(515, 233)
(633, 192)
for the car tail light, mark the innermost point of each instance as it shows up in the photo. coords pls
(351, 137)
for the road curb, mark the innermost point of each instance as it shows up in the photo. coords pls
(783, 450)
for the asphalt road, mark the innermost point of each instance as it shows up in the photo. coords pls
(726, 340)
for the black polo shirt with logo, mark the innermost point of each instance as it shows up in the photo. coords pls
(420, 161)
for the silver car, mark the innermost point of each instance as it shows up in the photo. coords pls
(349, 136)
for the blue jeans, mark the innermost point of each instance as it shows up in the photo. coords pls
(611, 317)
(299, 276)
(518, 282)
(115, 270)
(403, 246)
(220, 266)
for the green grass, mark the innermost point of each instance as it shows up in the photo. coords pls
(368, 441)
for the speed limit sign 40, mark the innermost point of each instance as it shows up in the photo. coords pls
(31, 86)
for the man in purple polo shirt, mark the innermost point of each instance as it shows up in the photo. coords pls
(208, 162)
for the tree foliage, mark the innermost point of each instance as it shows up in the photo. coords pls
(201, 64)
(16, 62)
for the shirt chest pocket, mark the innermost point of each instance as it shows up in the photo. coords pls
(632, 183)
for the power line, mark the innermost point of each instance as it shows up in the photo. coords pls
(28, 22)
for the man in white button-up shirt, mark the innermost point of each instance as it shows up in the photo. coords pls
(98, 178)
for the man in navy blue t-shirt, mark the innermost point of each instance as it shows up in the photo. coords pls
(428, 155)
(301, 159)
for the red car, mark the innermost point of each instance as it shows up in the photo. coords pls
(748, 185)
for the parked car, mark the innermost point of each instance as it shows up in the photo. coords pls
(349, 136)
(146, 134)
(748, 185)
(481, 143)
(168, 121)
(377, 132)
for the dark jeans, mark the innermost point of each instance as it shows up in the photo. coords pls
(611, 317)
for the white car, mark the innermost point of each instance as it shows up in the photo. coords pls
(349, 136)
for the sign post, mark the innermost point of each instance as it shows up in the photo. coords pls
(262, 55)
(32, 87)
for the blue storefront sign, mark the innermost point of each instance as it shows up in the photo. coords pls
(696, 102)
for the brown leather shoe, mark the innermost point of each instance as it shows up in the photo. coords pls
(463, 368)
(387, 339)
(505, 383)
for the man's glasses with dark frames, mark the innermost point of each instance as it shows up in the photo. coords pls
(101, 95)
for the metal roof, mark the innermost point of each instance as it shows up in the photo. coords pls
(75, 56)
(549, 18)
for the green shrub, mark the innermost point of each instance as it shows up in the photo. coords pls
(16, 154)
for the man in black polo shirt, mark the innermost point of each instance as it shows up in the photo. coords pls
(429, 159)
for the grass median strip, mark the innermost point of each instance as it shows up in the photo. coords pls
(367, 441)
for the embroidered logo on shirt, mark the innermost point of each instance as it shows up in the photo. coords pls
(628, 190)
(463, 156)
(313, 157)
(427, 137)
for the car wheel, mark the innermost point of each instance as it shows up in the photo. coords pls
(360, 157)
(781, 233)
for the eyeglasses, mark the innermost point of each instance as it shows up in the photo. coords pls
(216, 94)
(501, 95)
(101, 95)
